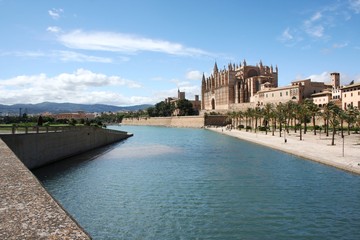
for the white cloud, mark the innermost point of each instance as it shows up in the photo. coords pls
(340, 45)
(70, 56)
(81, 86)
(286, 35)
(194, 75)
(23, 54)
(355, 5)
(65, 56)
(313, 28)
(53, 29)
(322, 77)
(118, 42)
(55, 13)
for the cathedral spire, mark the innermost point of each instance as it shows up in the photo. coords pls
(216, 68)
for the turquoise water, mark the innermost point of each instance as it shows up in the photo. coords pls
(173, 183)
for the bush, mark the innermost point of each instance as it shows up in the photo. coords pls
(241, 126)
(262, 128)
(248, 127)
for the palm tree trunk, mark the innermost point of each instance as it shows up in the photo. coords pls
(333, 136)
(313, 119)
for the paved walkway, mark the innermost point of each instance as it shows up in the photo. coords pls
(316, 148)
(27, 211)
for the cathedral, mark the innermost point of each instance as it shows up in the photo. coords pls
(235, 87)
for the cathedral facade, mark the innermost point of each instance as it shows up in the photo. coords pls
(235, 87)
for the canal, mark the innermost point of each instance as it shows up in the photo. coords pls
(176, 183)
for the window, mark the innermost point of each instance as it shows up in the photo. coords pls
(287, 93)
(280, 94)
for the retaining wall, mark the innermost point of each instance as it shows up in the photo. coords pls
(27, 211)
(184, 121)
(38, 149)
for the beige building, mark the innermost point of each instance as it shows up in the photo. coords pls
(77, 116)
(350, 95)
(181, 96)
(322, 98)
(241, 86)
(235, 86)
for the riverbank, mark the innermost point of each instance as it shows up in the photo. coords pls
(318, 148)
(27, 211)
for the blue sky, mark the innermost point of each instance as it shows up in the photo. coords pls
(129, 52)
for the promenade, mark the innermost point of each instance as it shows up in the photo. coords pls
(344, 155)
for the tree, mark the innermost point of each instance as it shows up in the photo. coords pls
(185, 107)
(301, 113)
(350, 116)
(163, 109)
(289, 113)
(313, 111)
(151, 111)
(268, 111)
(334, 114)
(280, 113)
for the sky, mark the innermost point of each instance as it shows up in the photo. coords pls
(130, 52)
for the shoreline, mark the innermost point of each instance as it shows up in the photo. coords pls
(317, 148)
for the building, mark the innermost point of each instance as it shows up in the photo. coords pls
(77, 116)
(181, 96)
(243, 86)
(236, 86)
(350, 95)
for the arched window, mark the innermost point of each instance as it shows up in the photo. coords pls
(212, 104)
(252, 73)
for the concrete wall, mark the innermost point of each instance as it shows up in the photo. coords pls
(185, 121)
(36, 150)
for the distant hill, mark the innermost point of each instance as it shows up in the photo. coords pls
(65, 107)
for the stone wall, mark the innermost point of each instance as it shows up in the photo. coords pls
(185, 121)
(27, 211)
(38, 149)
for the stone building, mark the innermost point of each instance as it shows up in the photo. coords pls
(234, 87)
(351, 95)
(243, 86)
(196, 103)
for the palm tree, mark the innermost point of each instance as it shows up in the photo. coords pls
(267, 114)
(281, 116)
(313, 111)
(299, 113)
(230, 117)
(334, 113)
(248, 115)
(289, 116)
(257, 115)
(350, 116)
(326, 115)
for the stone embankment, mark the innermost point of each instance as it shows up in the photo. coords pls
(27, 211)
(41, 148)
(177, 121)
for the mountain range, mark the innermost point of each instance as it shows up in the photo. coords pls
(51, 107)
